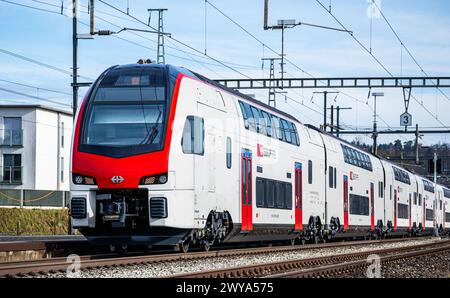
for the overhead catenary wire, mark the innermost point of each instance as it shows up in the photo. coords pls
(32, 96)
(375, 58)
(403, 45)
(188, 46)
(34, 87)
(264, 45)
(43, 64)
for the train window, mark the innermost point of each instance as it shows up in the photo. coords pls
(335, 179)
(402, 211)
(346, 154)
(310, 171)
(447, 217)
(420, 199)
(447, 193)
(270, 194)
(279, 128)
(415, 198)
(356, 158)
(268, 122)
(288, 196)
(229, 154)
(429, 214)
(260, 190)
(251, 117)
(359, 205)
(280, 194)
(259, 122)
(286, 130)
(401, 175)
(244, 114)
(428, 186)
(294, 134)
(381, 189)
(193, 139)
(440, 204)
(330, 177)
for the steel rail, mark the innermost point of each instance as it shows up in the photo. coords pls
(336, 270)
(18, 268)
(273, 268)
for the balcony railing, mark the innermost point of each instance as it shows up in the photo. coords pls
(11, 175)
(11, 137)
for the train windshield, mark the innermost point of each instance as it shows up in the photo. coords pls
(128, 109)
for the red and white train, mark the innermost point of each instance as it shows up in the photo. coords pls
(165, 156)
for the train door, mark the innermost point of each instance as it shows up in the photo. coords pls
(298, 197)
(345, 201)
(372, 207)
(246, 190)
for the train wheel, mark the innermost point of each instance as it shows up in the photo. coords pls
(292, 241)
(183, 247)
(205, 246)
(122, 249)
(316, 240)
(303, 241)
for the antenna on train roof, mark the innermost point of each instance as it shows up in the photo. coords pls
(145, 61)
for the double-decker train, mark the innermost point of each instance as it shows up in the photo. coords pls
(164, 156)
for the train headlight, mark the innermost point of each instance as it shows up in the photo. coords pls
(83, 180)
(162, 179)
(155, 179)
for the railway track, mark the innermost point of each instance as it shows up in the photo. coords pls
(60, 264)
(327, 266)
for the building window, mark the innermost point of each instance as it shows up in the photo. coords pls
(12, 131)
(193, 141)
(62, 169)
(310, 172)
(12, 169)
(62, 134)
(229, 154)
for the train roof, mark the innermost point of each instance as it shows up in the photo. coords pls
(204, 79)
(246, 97)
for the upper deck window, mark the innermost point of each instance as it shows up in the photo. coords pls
(356, 158)
(428, 186)
(401, 175)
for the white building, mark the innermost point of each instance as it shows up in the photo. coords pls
(34, 155)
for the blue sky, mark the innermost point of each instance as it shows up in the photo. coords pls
(422, 25)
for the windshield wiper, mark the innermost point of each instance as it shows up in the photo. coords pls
(152, 133)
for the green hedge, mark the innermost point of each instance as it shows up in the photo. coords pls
(21, 221)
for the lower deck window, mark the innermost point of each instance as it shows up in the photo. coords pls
(359, 205)
(403, 211)
(273, 194)
(447, 217)
(429, 214)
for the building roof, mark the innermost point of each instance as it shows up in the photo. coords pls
(35, 106)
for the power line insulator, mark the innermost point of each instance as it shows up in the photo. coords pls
(104, 32)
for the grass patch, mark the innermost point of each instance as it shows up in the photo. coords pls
(21, 221)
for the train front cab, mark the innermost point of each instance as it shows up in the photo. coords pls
(121, 183)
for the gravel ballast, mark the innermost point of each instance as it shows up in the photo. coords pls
(183, 266)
